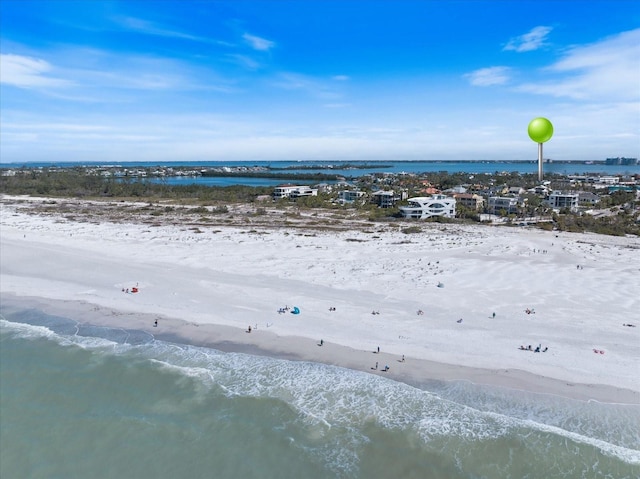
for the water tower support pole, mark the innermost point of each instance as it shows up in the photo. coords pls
(539, 161)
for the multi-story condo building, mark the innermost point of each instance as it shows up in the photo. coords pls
(559, 200)
(349, 196)
(423, 207)
(387, 198)
(293, 191)
(470, 200)
(498, 203)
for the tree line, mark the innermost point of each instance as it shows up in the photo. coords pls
(76, 183)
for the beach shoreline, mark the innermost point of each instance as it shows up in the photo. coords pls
(412, 371)
(457, 301)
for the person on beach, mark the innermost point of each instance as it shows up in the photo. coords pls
(494, 315)
(376, 365)
(322, 342)
(403, 358)
(378, 349)
(249, 329)
(155, 323)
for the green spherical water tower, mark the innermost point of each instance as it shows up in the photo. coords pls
(540, 130)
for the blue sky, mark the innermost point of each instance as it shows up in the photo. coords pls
(317, 80)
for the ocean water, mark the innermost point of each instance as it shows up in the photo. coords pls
(79, 401)
(340, 168)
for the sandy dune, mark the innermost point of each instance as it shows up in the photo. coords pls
(582, 289)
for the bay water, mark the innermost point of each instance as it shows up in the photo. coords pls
(83, 401)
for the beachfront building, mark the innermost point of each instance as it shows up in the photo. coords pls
(292, 191)
(558, 200)
(387, 198)
(284, 191)
(303, 191)
(622, 161)
(608, 180)
(516, 190)
(423, 207)
(456, 190)
(470, 200)
(508, 204)
(349, 196)
(541, 190)
(602, 182)
(586, 198)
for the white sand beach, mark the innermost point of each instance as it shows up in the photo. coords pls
(206, 285)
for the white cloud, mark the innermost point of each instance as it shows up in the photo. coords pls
(489, 76)
(608, 70)
(319, 88)
(150, 28)
(528, 42)
(27, 72)
(337, 105)
(258, 43)
(92, 75)
(244, 61)
(581, 134)
(294, 81)
(340, 78)
(57, 127)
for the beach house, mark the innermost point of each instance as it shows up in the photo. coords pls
(470, 200)
(508, 204)
(303, 191)
(387, 198)
(292, 191)
(349, 196)
(587, 198)
(423, 207)
(558, 200)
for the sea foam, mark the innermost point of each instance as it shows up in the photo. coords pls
(338, 406)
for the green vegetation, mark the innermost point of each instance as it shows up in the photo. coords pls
(77, 183)
(619, 224)
(618, 212)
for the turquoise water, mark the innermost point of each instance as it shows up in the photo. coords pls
(338, 168)
(79, 401)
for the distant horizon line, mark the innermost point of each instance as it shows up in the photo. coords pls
(342, 162)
